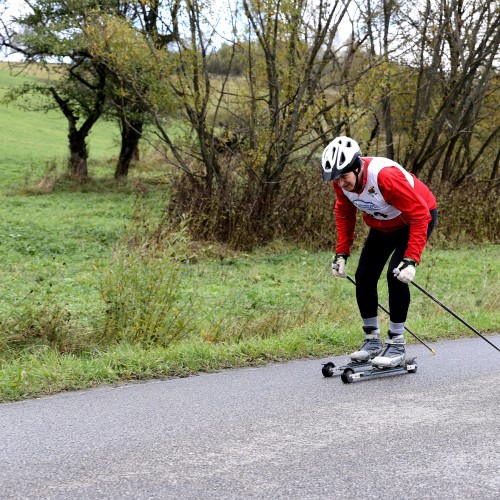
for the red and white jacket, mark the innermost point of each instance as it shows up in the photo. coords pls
(390, 198)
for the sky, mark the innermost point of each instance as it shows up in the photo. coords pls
(10, 8)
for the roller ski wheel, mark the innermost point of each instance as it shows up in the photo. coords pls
(411, 365)
(330, 370)
(348, 376)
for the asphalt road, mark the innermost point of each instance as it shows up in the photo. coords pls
(279, 431)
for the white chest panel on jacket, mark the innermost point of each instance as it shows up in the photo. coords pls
(370, 200)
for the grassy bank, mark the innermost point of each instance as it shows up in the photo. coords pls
(272, 305)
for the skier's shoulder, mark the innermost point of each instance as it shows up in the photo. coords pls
(380, 162)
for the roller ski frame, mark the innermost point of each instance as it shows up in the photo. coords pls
(357, 371)
(348, 376)
(330, 370)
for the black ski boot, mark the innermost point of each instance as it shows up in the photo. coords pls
(371, 347)
(394, 353)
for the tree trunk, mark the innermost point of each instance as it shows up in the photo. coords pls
(78, 154)
(78, 150)
(131, 133)
(494, 171)
(386, 100)
(386, 112)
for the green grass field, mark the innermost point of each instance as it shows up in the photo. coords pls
(276, 303)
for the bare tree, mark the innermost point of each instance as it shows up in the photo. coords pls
(457, 79)
(303, 72)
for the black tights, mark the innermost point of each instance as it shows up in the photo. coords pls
(376, 251)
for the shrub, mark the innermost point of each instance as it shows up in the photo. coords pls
(242, 215)
(236, 211)
(141, 289)
(41, 318)
(467, 214)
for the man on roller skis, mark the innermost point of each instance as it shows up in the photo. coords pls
(401, 212)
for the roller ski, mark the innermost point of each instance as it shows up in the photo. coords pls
(331, 370)
(392, 361)
(361, 360)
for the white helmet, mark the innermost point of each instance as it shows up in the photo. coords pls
(339, 157)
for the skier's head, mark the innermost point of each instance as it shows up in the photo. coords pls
(341, 156)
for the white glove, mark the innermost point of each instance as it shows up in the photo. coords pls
(405, 272)
(338, 265)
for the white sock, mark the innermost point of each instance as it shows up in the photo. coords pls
(370, 323)
(397, 328)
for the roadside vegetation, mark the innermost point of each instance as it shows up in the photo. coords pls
(96, 287)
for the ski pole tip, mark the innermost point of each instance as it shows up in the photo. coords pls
(433, 351)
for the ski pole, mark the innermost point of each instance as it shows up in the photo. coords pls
(407, 329)
(453, 314)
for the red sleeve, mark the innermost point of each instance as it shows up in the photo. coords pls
(397, 191)
(345, 221)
